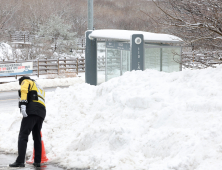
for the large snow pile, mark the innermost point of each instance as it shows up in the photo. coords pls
(146, 120)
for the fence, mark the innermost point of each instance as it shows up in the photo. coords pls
(54, 66)
(201, 59)
(23, 39)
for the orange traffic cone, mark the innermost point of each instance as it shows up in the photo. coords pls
(43, 156)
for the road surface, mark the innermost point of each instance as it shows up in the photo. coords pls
(9, 99)
(6, 159)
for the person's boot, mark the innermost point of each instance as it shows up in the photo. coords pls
(37, 164)
(16, 164)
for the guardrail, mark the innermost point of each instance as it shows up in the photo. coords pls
(53, 66)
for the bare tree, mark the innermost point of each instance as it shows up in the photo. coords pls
(30, 15)
(7, 12)
(196, 21)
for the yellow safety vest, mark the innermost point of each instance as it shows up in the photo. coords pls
(28, 86)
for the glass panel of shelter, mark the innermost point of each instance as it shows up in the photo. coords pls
(152, 58)
(171, 59)
(125, 56)
(163, 57)
(113, 60)
(113, 63)
(101, 62)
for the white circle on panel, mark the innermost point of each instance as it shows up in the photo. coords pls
(138, 40)
(90, 37)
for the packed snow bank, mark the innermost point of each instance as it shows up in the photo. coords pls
(146, 120)
(45, 83)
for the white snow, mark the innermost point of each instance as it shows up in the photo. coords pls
(125, 35)
(42, 81)
(143, 120)
(5, 51)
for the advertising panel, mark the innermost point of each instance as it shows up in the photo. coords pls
(16, 69)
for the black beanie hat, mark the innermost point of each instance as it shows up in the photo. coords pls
(23, 78)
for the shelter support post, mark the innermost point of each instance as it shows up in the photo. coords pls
(90, 60)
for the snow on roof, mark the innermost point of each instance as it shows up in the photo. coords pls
(125, 35)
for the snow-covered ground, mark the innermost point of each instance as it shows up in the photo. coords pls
(43, 81)
(143, 120)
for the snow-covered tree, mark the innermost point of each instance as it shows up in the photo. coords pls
(57, 31)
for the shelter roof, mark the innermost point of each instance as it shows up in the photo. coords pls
(125, 35)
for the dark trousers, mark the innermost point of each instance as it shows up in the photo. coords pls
(30, 124)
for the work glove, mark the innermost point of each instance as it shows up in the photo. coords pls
(22, 105)
(23, 110)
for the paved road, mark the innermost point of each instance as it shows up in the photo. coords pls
(13, 95)
(8, 103)
(9, 99)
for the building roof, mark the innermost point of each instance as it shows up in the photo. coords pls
(125, 35)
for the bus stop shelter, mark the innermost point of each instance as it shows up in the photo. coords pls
(110, 53)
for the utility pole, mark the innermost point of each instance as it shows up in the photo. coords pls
(90, 15)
